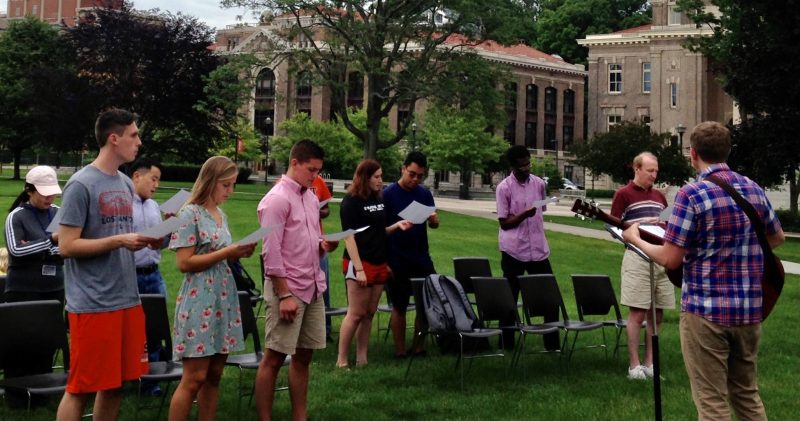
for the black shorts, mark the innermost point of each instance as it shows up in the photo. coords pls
(398, 289)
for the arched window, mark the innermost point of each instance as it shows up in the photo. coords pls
(531, 97)
(264, 116)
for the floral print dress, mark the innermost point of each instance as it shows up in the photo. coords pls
(207, 316)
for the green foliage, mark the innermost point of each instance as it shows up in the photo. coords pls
(747, 39)
(343, 151)
(251, 139)
(228, 87)
(612, 153)
(458, 140)
(40, 97)
(155, 66)
(561, 22)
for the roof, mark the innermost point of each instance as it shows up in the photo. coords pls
(642, 28)
(521, 50)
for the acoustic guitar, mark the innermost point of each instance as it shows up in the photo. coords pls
(771, 282)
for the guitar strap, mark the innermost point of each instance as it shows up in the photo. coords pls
(748, 209)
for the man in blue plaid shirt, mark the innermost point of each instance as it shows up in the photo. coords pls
(721, 298)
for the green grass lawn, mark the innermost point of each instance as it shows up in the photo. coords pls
(592, 387)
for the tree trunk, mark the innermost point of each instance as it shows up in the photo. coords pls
(793, 190)
(463, 191)
(17, 157)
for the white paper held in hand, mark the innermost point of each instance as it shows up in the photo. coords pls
(258, 234)
(323, 203)
(174, 203)
(165, 227)
(416, 212)
(338, 236)
(544, 202)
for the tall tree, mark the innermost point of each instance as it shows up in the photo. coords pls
(457, 140)
(561, 22)
(39, 93)
(153, 64)
(612, 153)
(398, 46)
(754, 49)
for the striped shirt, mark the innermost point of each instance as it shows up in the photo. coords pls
(635, 204)
(723, 265)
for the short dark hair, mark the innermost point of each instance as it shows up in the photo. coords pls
(112, 120)
(517, 152)
(712, 141)
(143, 163)
(416, 157)
(305, 150)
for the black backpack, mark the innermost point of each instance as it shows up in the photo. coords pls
(244, 282)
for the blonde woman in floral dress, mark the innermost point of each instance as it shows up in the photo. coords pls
(207, 318)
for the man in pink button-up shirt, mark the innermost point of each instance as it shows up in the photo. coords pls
(295, 322)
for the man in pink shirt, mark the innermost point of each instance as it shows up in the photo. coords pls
(523, 246)
(295, 322)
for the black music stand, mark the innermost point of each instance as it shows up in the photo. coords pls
(617, 233)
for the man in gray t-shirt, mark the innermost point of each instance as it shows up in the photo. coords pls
(96, 238)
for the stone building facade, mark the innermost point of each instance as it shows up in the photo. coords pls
(546, 112)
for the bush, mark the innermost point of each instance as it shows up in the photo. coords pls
(600, 194)
(180, 172)
(789, 221)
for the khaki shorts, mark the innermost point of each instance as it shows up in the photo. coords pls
(635, 287)
(306, 331)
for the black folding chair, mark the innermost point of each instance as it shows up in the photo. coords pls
(541, 297)
(594, 296)
(466, 267)
(159, 334)
(31, 333)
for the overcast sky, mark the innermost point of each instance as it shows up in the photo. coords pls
(208, 11)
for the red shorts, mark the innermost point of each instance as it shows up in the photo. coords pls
(106, 349)
(376, 274)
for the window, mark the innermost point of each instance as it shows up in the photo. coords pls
(303, 92)
(550, 141)
(531, 97)
(265, 102)
(569, 102)
(355, 90)
(614, 78)
(35, 10)
(674, 16)
(673, 95)
(530, 134)
(265, 84)
(569, 135)
(550, 101)
(510, 132)
(613, 120)
(647, 81)
(511, 96)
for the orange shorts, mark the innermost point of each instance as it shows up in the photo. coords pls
(106, 349)
(376, 274)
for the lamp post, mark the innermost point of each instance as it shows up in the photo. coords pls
(235, 147)
(265, 146)
(681, 129)
(413, 136)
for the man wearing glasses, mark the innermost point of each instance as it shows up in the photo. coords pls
(523, 246)
(408, 250)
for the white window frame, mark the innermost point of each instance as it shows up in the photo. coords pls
(673, 95)
(614, 78)
(613, 120)
(647, 78)
(673, 16)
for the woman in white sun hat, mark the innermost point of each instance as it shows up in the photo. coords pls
(35, 266)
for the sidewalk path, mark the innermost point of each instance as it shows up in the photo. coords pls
(487, 209)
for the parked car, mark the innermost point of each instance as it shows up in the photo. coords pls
(568, 184)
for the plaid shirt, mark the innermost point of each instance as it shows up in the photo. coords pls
(723, 265)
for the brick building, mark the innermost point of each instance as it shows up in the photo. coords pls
(56, 12)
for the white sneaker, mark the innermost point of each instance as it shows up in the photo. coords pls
(636, 373)
(648, 371)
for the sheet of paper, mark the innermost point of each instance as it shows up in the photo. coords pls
(53, 227)
(174, 203)
(165, 227)
(324, 202)
(338, 236)
(544, 202)
(258, 234)
(653, 229)
(416, 212)
(617, 233)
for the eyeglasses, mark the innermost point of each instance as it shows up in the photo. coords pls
(416, 175)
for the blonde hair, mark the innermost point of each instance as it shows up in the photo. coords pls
(3, 261)
(214, 169)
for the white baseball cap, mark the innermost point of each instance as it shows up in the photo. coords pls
(44, 179)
